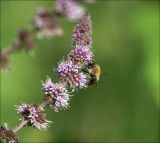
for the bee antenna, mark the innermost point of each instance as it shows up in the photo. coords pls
(92, 63)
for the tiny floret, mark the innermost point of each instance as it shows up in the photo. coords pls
(70, 74)
(58, 93)
(34, 115)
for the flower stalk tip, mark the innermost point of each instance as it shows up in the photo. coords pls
(69, 8)
(82, 32)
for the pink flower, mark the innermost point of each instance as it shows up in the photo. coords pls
(35, 116)
(69, 74)
(58, 93)
(80, 55)
(69, 8)
(46, 24)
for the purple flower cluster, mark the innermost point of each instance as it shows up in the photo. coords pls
(71, 76)
(58, 93)
(81, 55)
(46, 23)
(34, 115)
(70, 71)
(69, 8)
(7, 135)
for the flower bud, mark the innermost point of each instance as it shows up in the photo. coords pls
(4, 60)
(26, 40)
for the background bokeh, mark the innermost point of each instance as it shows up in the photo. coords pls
(124, 107)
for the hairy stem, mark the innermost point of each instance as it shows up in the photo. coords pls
(20, 125)
(14, 48)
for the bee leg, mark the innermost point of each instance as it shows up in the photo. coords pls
(96, 84)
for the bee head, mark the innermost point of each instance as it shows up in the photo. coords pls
(91, 64)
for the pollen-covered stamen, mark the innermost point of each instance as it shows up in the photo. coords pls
(46, 23)
(58, 93)
(34, 115)
(70, 8)
(69, 74)
(80, 55)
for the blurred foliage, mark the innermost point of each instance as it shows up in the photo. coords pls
(123, 107)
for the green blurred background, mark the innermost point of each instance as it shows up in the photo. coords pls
(124, 107)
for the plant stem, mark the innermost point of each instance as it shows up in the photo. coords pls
(20, 125)
(14, 48)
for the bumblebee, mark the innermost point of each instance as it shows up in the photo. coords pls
(94, 71)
